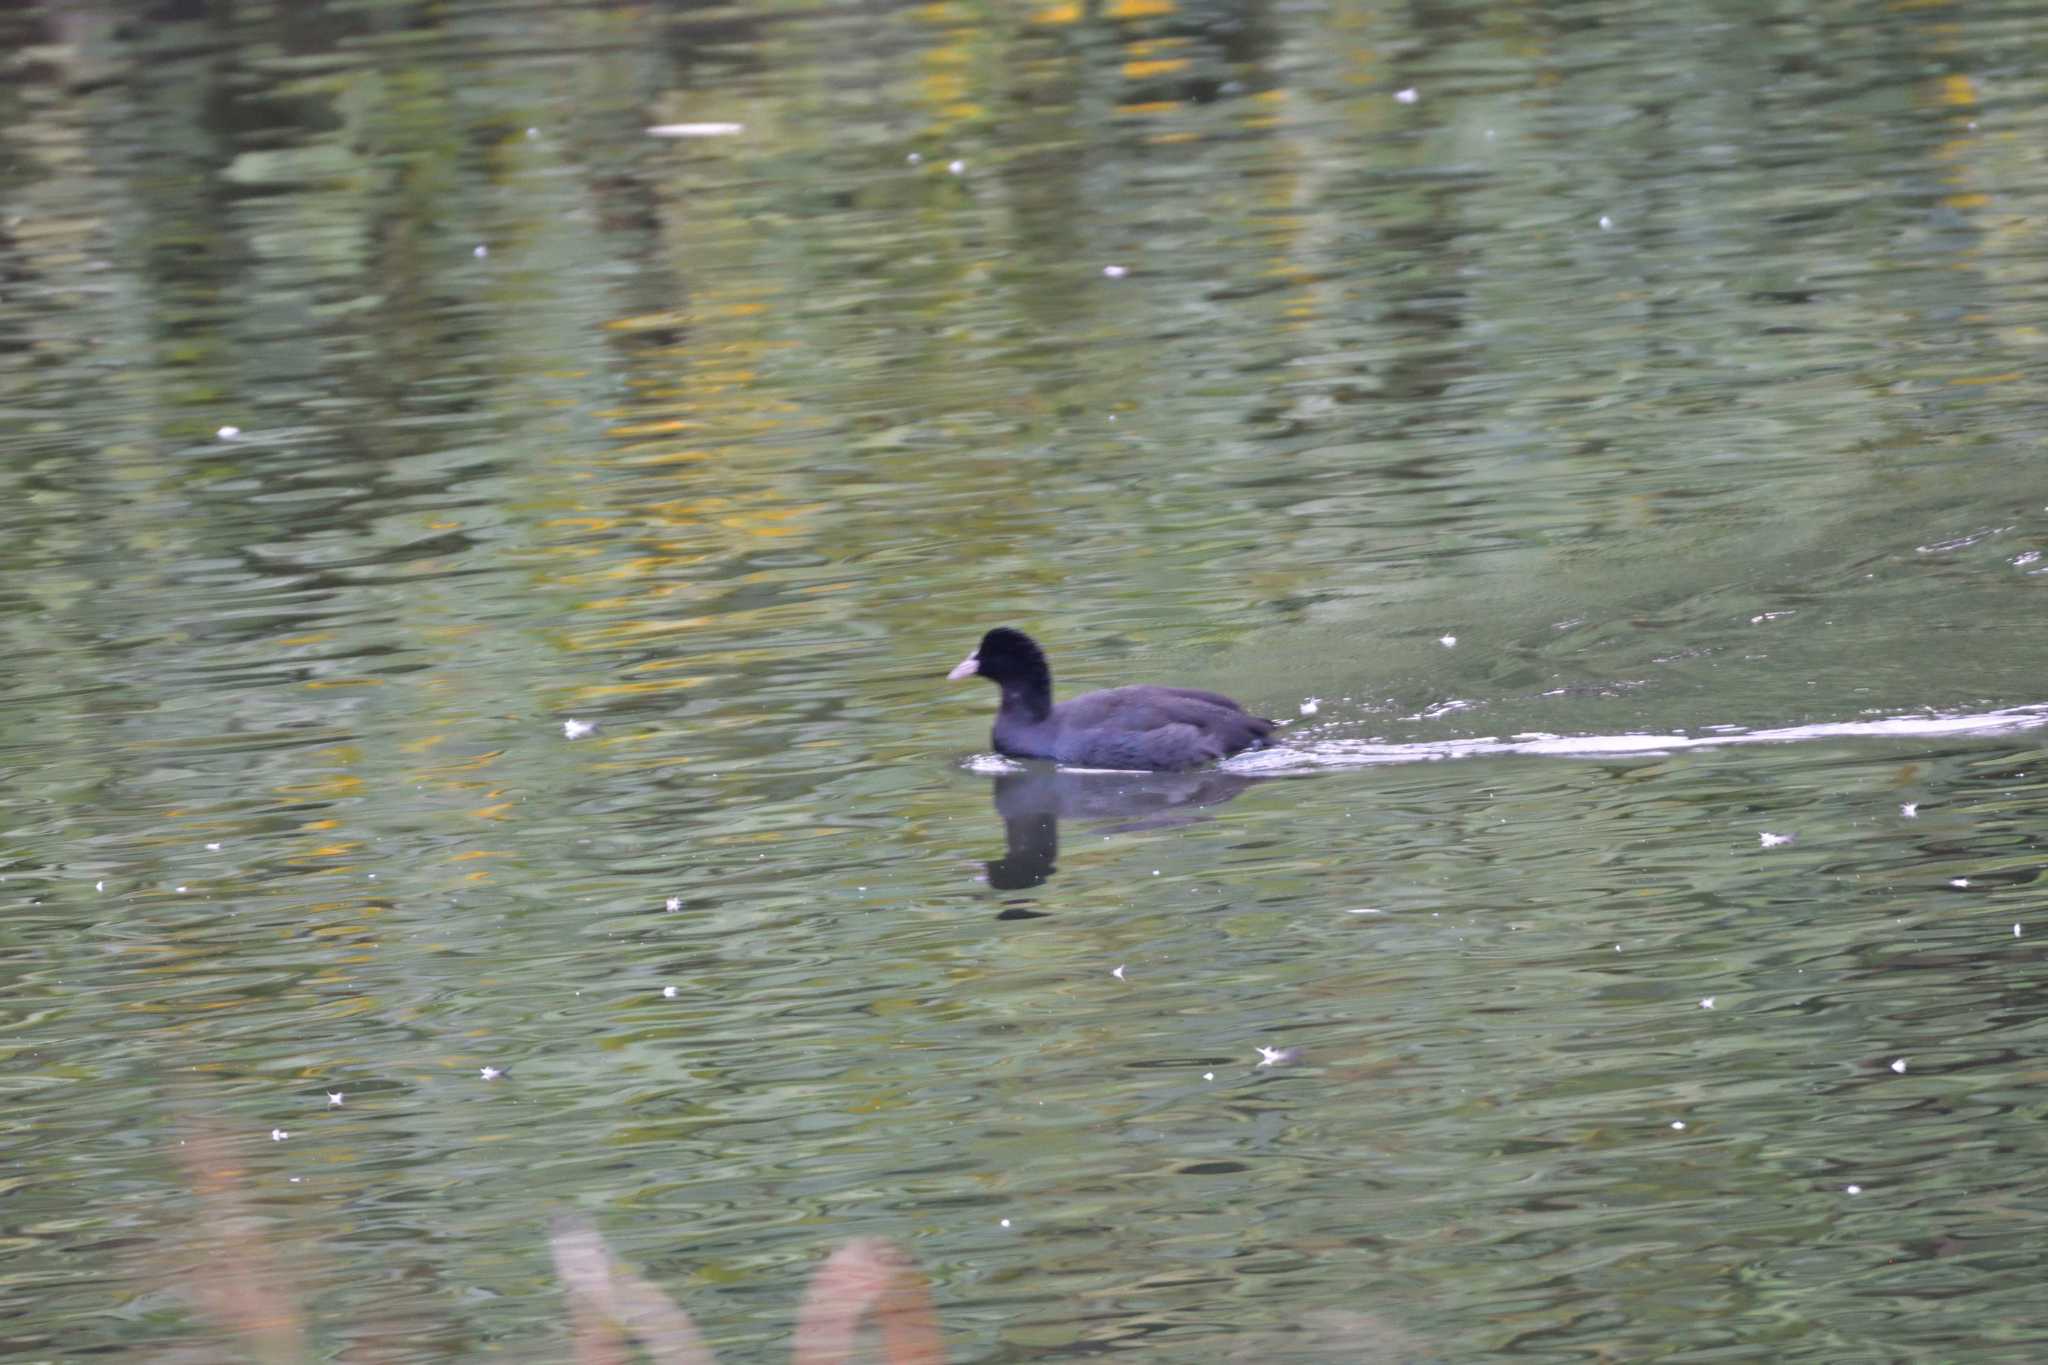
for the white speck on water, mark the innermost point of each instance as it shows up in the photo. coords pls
(668, 992)
(1491, 135)
(334, 1098)
(1959, 883)
(1447, 641)
(673, 903)
(1911, 810)
(696, 129)
(213, 848)
(1155, 871)
(1365, 910)
(481, 251)
(1114, 272)
(1707, 1003)
(490, 1073)
(1002, 1222)
(2024, 558)
(1678, 1124)
(1311, 706)
(1208, 1075)
(101, 886)
(293, 1179)
(2015, 931)
(1408, 96)
(1277, 1056)
(577, 729)
(957, 167)
(914, 158)
(228, 433)
(1900, 1066)
(1118, 973)
(533, 132)
(181, 890)
(1606, 223)
(1852, 1189)
(1770, 840)
(278, 1135)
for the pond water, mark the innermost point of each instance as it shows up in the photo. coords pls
(1610, 437)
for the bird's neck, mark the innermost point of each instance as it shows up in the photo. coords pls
(1030, 697)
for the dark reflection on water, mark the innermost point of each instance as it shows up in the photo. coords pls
(1034, 801)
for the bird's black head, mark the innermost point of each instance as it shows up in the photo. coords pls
(1012, 661)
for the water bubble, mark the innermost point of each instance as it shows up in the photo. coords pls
(1408, 96)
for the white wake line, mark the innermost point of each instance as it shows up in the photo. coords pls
(1344, 753)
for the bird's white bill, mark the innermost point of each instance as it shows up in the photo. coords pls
(966, 668)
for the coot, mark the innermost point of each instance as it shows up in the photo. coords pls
(1123, 727)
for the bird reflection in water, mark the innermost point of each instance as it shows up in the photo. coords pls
(1033, 801)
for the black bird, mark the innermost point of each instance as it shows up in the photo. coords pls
(1142, 727)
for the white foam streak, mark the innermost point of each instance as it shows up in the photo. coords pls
(1347, 753)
